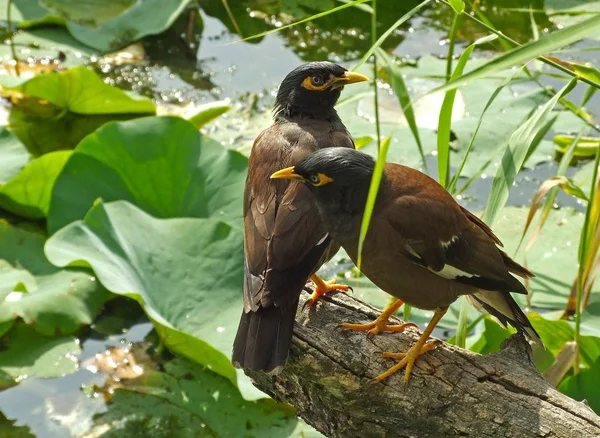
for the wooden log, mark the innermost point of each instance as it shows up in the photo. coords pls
(452, 392)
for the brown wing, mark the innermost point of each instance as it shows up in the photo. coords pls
(450, 243)
(284, 241)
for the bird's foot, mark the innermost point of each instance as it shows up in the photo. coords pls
(407, 360)
(323, 288)
(378, 326)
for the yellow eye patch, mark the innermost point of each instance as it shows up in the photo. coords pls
(320, 179)
(309, 84)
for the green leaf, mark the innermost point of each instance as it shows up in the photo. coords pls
(584, 386)
(54, 301)
(102, 25)
(586, 146)
(196, 350)
(186, 272)
(48, 43)
(79, 90)
(44, 127)
(28, 194)
(188, 401)
(555, 333)
(161, 164)
(30, 354)
(571, 12)
(9, 429)
(491, 338)
(13, 155)
(516, 152)
(528, 51)
(457, 5)
(208, 112)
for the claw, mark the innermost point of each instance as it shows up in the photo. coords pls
(322, 288)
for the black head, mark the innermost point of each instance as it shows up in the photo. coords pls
(332, 168)
(312, 89)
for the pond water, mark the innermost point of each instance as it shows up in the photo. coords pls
(248, 73)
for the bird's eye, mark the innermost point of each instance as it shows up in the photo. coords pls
(314, 179)
(317, 80)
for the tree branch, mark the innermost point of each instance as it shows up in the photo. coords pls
(452, 392)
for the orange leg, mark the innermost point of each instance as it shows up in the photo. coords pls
(322, 288)
(380, 324)
(409, 358)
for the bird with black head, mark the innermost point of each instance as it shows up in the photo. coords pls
(285, 242)
(421, 246)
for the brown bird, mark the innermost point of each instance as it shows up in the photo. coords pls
(421, 246)
(285, 242)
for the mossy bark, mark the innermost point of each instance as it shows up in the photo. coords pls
(452, 392)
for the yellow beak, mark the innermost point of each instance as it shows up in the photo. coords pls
(287, 173)
(348, 78)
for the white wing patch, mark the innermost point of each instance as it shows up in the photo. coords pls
(322, 239)
(445, 245)
(411, 251)
(450, 272)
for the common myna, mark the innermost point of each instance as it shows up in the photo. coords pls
(421, 246)
(285, 242)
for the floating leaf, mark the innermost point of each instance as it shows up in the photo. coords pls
(586, 146)
(27, 353)
(54, 301)
(186, 400)
(161, 164)
(208, 112)
(101, 25)
(79, 90)
(28, 194)
(185, 272)
(9, 429)
(13, 156)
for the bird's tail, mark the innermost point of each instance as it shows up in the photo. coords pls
(263, 338)
(505, 308)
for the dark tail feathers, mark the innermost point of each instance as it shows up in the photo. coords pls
(504, 307)
(263, 338)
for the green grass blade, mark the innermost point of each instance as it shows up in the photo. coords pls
(312, 17)
(589, 92)
(403, 96)
(461, 324)
(452, 187)
(527, 52)
(445, 118)
(373, 189)
(516, 152)
(388, 32)
(375, 74)
(452, 38)
(406, 310)
(587, 231)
